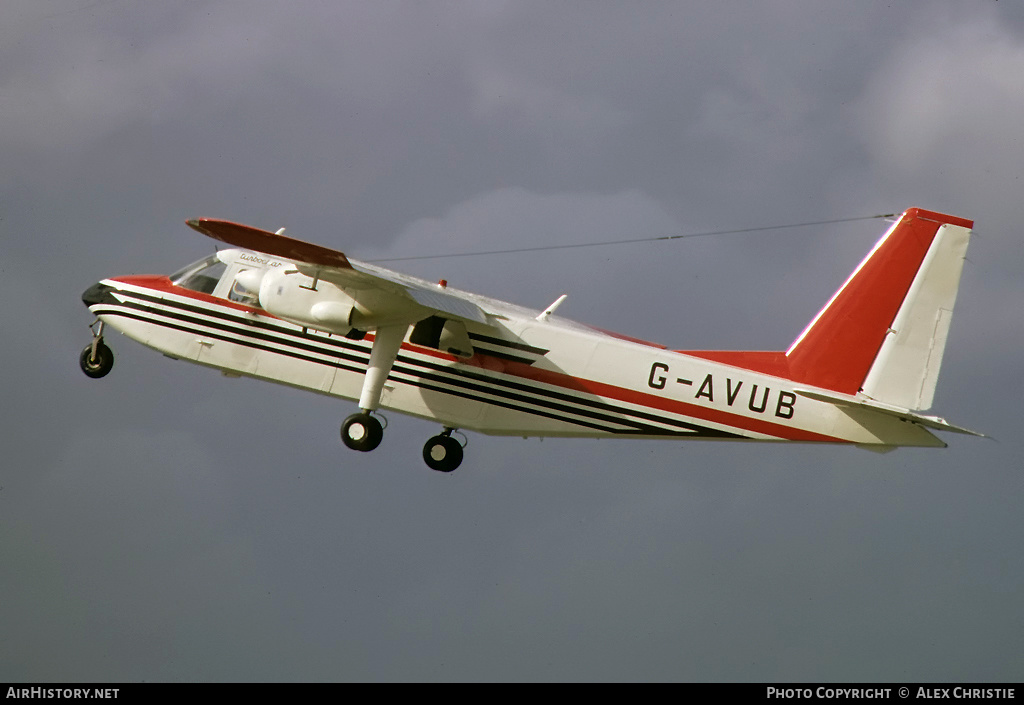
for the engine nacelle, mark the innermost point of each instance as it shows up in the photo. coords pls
(288, 295)
(250, 280)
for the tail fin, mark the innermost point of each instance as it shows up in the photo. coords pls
(883, 333)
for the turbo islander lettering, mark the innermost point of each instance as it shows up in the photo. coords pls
(757, 397)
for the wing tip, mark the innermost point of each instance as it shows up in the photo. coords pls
(276, 244)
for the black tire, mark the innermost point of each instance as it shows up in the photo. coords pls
(362, 432)
(442, 453)
(98, 366)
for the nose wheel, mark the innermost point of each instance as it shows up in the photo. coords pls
(443, 453)
(96, 359)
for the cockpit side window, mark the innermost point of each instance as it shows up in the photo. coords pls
(201, 276)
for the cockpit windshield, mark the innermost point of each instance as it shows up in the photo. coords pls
(201, 276)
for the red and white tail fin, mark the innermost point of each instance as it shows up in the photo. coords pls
(883, 333)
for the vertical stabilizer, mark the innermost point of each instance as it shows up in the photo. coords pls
(883, 333)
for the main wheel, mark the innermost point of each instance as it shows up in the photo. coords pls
(442, 453)
(361, 432)
(99, 365)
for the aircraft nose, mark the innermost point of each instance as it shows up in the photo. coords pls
(96, 294)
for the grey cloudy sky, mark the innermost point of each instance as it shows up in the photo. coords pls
(168, 524)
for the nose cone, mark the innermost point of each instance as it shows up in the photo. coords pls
(98, 293)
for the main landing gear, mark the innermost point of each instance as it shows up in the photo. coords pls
(363, 431)
(96, 359)
(443, 453)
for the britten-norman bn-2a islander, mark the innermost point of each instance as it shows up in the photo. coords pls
(287, 311)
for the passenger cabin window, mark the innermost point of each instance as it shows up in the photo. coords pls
(201, 276)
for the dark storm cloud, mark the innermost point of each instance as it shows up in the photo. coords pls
(167, 523)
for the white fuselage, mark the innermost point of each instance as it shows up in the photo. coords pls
(526, 377)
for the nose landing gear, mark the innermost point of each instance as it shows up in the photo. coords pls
(96, 358)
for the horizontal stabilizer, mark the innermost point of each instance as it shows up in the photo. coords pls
(933, 422)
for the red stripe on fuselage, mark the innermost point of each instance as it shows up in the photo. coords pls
(580, 385)
(652, 401)
(163, 284)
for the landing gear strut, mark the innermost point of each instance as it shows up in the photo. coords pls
(362, 432)
(96, 359)
(443, 453)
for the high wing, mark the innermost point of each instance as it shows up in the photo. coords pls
(322, 263)
(351, 299)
